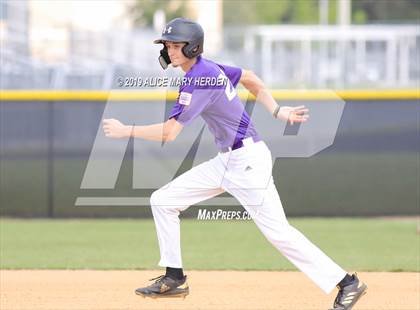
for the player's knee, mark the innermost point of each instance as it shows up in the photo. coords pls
(160, 203)
(156, 198)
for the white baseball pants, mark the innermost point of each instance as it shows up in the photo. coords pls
(246, 174)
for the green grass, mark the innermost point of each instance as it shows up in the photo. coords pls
(356, 244)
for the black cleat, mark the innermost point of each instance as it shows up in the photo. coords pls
(349, 295)
(165, 287)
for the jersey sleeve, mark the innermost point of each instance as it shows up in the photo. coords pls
(190, 103)
(233, 73)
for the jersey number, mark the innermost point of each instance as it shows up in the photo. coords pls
(230, 91)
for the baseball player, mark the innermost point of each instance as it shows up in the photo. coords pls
(242, 167)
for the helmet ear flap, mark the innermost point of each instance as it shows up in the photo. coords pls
(164, 59)
(195, 49)
(186, 50)
(192, 49)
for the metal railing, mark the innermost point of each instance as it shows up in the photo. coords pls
(284, 56)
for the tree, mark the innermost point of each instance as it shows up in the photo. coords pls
(245, 12)
(374, 11)
(143, 10)
(273, 11)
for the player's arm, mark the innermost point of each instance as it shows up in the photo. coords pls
(257, 87)
(167, 131)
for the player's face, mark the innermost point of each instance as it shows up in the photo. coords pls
(175, 53)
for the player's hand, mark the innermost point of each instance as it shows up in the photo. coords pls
(293, 114)
(113, 128)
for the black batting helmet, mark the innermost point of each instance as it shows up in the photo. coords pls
(181, 30)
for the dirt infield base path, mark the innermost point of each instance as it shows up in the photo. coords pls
(103, 290)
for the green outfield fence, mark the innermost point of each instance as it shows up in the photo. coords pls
(371, 169)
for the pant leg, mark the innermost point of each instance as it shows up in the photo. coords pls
(256, 191)
(199, 183)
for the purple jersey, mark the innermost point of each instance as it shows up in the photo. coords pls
(219, 105)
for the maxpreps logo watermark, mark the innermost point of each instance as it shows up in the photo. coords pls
(219, 214)
(155, 164)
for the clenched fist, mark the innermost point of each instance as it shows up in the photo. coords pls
(113, 128)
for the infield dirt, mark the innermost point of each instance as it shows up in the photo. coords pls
(244, 290)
